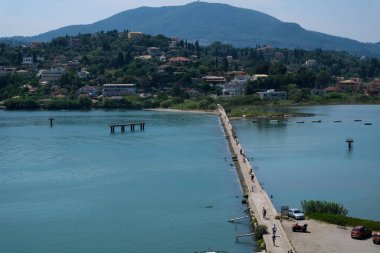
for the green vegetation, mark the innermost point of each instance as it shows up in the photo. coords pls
(110, 57)
(323, 207)
(21, 103)
(334, 213)
(260, 230)
(241, 27)
(342, 220)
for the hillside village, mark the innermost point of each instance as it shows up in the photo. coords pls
(136, 70)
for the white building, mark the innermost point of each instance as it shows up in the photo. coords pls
(83, 74)
(52, 75)
(115, 90)
(273, 95)
(311, 63)
(259, 76)
(27, 60)
(241, 78)
(233, 88)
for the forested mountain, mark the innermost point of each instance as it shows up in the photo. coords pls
(210, 22)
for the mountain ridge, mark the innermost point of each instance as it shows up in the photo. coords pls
(216, 22)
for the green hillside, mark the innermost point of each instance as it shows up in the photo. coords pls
(210, 22)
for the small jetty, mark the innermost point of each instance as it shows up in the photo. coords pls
(244, 235)
(211, 251)
(239, 218)
(132, 126)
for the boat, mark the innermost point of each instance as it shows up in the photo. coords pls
(337, 121)
(357, 120)
(273, 121)
(300, 122)
(368, 123)
(316, 121)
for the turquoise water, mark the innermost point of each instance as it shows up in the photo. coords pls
(77, 188)
(307, 161)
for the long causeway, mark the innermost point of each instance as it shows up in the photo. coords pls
(257, 197)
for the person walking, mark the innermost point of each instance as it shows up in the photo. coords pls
(274, 229)
(264, 213)
(274, 239)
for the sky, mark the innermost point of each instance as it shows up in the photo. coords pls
(355, 19)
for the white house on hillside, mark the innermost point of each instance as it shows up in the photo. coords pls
(233, 88)
(52, 75)
(116, 90)
(273, 95)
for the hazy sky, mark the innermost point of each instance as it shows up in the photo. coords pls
(356, 19)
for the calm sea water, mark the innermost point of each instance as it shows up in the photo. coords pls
(77, 188)
(311, 161)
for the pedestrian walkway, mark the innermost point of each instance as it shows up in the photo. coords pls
(257, 197)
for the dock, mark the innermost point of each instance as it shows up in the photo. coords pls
(257, 197)
(132, 126)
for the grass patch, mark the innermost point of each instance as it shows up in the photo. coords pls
(345, 220)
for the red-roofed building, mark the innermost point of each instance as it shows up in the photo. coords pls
(179, 60)
(373, 88)
(348, 86)
(330, 89)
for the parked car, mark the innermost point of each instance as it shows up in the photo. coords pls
(360, 232)
(376, 237)
(296, 214)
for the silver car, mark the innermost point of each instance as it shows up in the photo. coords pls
(296, 214)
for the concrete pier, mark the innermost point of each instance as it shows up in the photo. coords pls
(132, 125)
(257, 197)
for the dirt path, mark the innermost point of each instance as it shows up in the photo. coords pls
(326, 238)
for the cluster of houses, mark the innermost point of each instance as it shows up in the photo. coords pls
(232, 83)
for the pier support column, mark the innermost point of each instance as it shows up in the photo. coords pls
(349, 142)
(122, 129)
(51, 122)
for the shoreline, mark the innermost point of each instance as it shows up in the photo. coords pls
(212, 112)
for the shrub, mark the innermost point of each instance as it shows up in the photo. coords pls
(21, 103)
(166, 103)
(260, 230)
(344, 220)
(318, 206)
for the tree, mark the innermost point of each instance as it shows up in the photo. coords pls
(85, 102)
(225, 64)
(323, 79)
